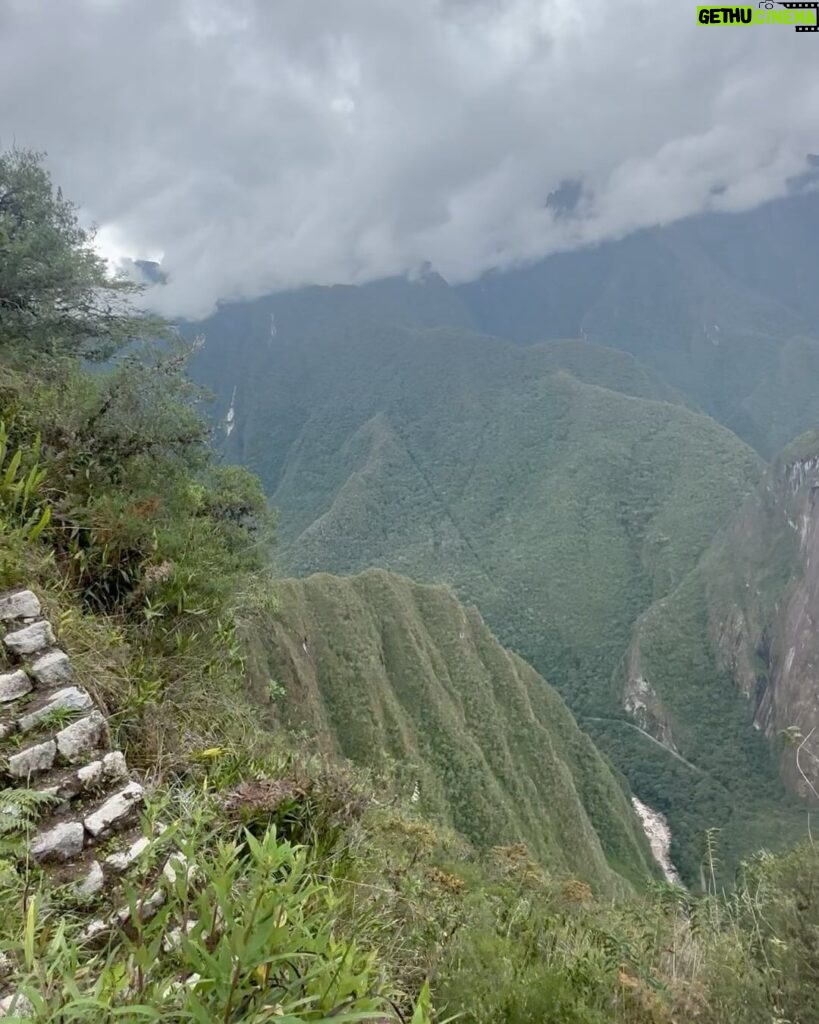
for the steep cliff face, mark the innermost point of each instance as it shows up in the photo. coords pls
(723, 673)
(764, 610)
(389, 672)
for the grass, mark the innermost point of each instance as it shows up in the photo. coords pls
(338, 902)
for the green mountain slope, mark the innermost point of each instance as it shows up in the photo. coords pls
(722, 307)
(557, 486)
(382, 668)
(560, 507)
(736, 639)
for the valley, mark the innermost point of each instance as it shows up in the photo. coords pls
(570, 489)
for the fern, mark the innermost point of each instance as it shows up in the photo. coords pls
(21, 504)
(19, 811)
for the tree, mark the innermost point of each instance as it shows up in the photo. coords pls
(55, 292)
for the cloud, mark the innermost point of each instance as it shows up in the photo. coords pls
(261, 146)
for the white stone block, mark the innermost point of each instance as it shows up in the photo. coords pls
(90, 774)
(17, 1006)
(53, 669)
(93, 882)
(119, 862)
(33, 760)
(115, 810)
(114, 765)
(62, 842)
(71, 698)
(22, 605)
(82, 738)
(29, 640)
(14, 685)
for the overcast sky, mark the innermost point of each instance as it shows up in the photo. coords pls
(262, 144)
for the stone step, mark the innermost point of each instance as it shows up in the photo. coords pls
(14, 685)
(20, 604)
(31, 639)
(70, 698)
(78, 741)
(63, 841)
(52, 669)
(134, 845)
(67, 783)
(55, 741)
(32, 760)
(115, 812)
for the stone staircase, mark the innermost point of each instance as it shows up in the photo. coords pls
(54, 741)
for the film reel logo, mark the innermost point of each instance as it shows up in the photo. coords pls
(769, 5)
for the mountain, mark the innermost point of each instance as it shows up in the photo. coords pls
(384, 670)
(722, 306)
(560, 487)
(566, 487)
(738, 637)
(559, 505)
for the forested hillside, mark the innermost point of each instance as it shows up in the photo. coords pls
(741, 623)
(389, 672)
(546, 483)
(720, 307)
(561, 487)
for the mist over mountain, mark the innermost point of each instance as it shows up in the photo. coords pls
(723, 307)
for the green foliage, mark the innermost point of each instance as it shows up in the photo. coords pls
(246, 931)
(21, 507)
(565, 502)
(109, 489)
(394, 920)
(19, 811)
(401, 677)
(55, 293)
(555, 486)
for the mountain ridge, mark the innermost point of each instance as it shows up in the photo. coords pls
(386, 671)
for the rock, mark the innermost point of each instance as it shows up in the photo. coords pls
(173, 938)
(53, 669)
(145, 908)
(95, 929)
(17, 1006)
(81, 738)
(14, 685)
(93, 882)
(22, 605)
(35, 759)
(6, 966)
(114, 766)
(29, 640)
(115, 810)
(6, 729)
(119, 862)
(178, 866)
(90, 774)
(72, 698)
(62, 842)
